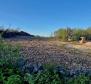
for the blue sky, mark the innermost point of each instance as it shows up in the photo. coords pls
(42, 17)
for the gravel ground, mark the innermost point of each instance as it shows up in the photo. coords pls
(44, 51)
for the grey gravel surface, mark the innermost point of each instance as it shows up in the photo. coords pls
(54, 52)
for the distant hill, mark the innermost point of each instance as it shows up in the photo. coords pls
(14, 33)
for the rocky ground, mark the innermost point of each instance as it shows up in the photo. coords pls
(55, 52)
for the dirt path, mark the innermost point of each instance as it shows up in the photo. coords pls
(86, 47)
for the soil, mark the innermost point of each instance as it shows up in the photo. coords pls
(56, 52)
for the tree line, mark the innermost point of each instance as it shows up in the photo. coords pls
(74, 34)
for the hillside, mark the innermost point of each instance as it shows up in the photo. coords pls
(8, 33)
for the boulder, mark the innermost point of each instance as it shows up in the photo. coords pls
(82, 40)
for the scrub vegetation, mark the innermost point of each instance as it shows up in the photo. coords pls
(40, 61)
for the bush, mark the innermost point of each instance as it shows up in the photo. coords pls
(74, 34)
(6, 72)
(8, 53)
(81, 79)
(29, 78)
(14, 79)
(8, 56)
(61, 34)
(11, 75)
(48, 77)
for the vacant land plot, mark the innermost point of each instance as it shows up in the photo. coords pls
(56, 52)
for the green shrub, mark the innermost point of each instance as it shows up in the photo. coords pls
(73, 34)
(48, 77)
(61, 34)
(7, 71)
(8, 56)
(81, 79)
(2, 78)
(29, 78)
(14, 79)
(8, 53)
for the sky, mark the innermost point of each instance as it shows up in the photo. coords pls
(43, 17)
